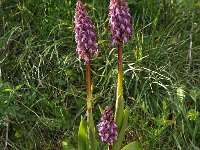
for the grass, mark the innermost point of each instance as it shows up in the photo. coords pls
(42, 82)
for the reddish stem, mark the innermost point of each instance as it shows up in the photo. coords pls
(89, 99)
(89, 105)
(88, 80)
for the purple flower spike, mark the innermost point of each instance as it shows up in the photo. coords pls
(107, 127)
(85, 35)
(120, 21)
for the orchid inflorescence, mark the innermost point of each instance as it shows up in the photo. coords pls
(85, 35)
(119, 21)
(107, 127)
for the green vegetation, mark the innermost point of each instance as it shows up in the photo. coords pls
(42, 82)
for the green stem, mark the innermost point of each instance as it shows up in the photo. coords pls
(119, 102)
(120, 69)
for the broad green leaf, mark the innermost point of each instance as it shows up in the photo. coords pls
(119, 111)
(135, 145)
(82, 135)
(92, 141)
(117, 145)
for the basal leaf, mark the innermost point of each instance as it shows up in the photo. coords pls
(117, 145)
(82, 135)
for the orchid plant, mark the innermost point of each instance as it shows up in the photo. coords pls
(111, 127)
(86, 40)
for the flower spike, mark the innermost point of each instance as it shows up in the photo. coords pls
(85, 35)
(107, 127)
(119, 21)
